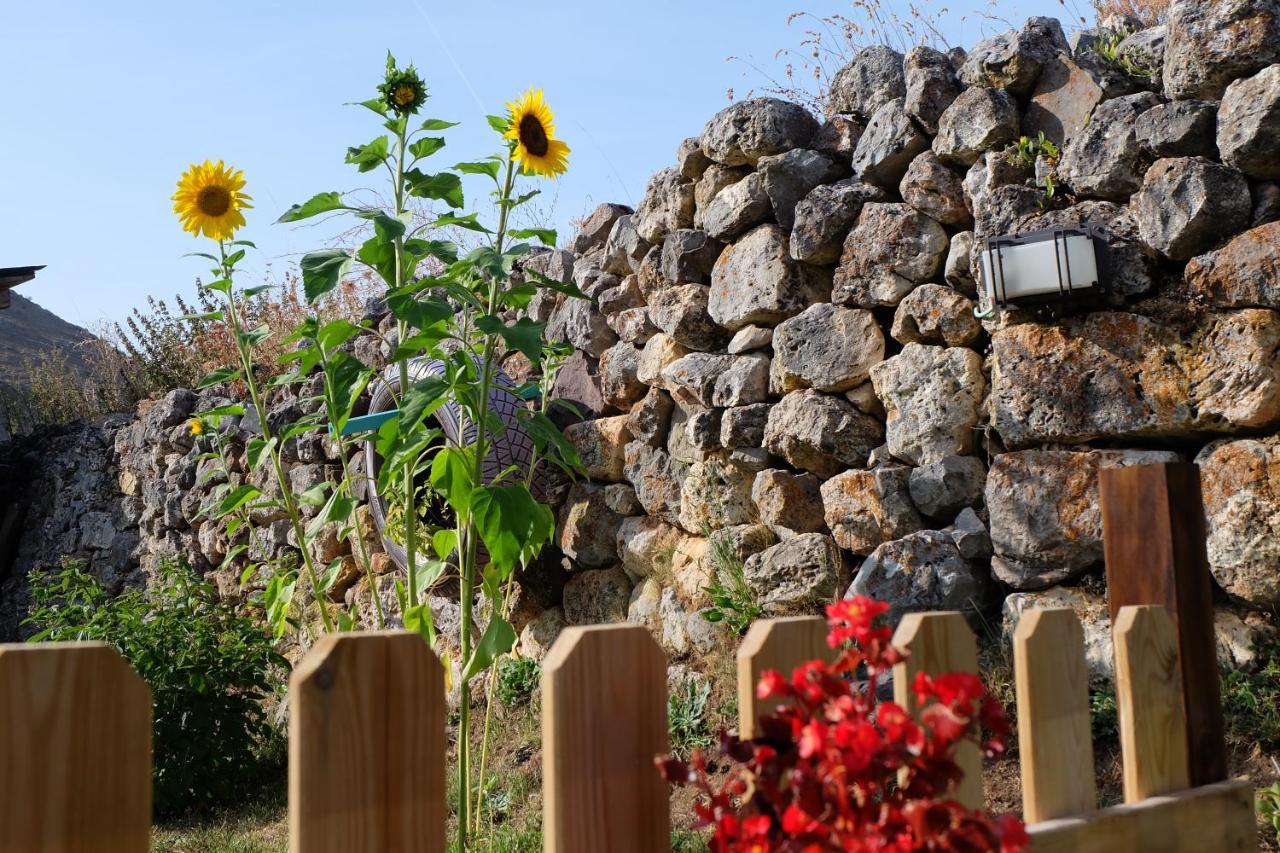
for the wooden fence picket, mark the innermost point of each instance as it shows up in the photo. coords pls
(1153, 730)
(75, 751)
(367, 746)
(604, 720)
(1054, 737)
(937, 643)
(781, 644)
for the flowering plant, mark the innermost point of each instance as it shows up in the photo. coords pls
(834, 770)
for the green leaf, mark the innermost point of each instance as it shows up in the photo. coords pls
(378, 105)
(208, 315)
(385, 226)
(334, 334)
(510, 523)
(568, 288)
(445, 186)
(418, 618)
(438, 124)
(426, 146)
(321, 271)
(524, 336)
(482, 167)
(451, 477)
(230, 410)
(547, 437)
(250, 292)
(443, 542)
(222, 374)
(499, 123)
(366, 158)
(235, 499)
(316, 495)
(498, 639)
(406, 305)
(445, 251)
(546, 236)
(468, 221)
(256, 448)
(314, 206)
(381, 256)
(330, 574)
(221, 285)
(345, 622)
(423, 397)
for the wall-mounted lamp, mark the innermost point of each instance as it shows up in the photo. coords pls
(1042, 267)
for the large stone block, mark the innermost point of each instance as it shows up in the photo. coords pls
(821, 433)
(798, 575)
(931, 397)
(891, 250)
(1213, 42)
(744, 132)
(1241, 485)
(756, 281)
(827, 347)
(865, 509)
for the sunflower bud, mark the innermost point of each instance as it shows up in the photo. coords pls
(403, 90)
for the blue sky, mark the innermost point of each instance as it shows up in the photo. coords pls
(105, 104)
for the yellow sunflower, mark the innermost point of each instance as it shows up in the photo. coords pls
(196, 426)
(209, 200)
(533, 130)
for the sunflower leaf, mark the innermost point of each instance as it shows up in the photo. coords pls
(385, 226)
(568, 288)
(445, 186)
(469, 221)
(524, 335)
(377, 105)
(418, 313)
(321, 271)
(222, 374)
(426, 146)
(443, 250)
(438, 124)
(317, 204)
(366, 158)
(499, 123)
(483, 167)
(547, 236)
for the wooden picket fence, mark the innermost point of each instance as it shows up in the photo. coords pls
(367, 745)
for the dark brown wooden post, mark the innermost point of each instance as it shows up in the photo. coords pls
(1153, 529)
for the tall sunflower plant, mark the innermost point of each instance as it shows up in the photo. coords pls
(210, 201)
(463, 311)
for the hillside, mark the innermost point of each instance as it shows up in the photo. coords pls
(27, 331)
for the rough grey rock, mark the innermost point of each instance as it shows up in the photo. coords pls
(716, 493)
(889, 144)
(744, 132)
(981, 119)
(1063, 99)
(931, 397)
(578, 381)
(931, 85)
(970, 535)
(959, 267)
(1046, 524)
(788, 178)
(711, 379)
(1241, 493)
(580, 322)
(656, 478)
(743, 426)
(667, 205)
(823, 219)
(1104, 159)
(681, 312)
(890, 250)
(597, 597)
(596, 228)
(702, 428)
(788, 502)
(941, 489)
(936, 190)
(1210, 43)
(619, 384)
(648, 419)
(587, 527)
(1189, 204)
(691, 159)
(737, 207)
(624, 248)
(1090, 609)
(1266, 203)
(820, 433)
(1013, 60)
(756, 281)
(933, 313)
(865, 509)
(827, 347)
(1246, 271)
(993, 171)
(920, 572)
(688, 256)
(541, 632)
(647, 545)
(1179, 129)
(1249, 125)
(838, 136)
(659, 351)
(716, 178)
(871, 79)
(632, 325)
(797, 575)
(621, 297)
(621, 498)
(750, 338)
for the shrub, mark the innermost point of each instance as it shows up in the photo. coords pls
(209, 670)
(732, 599)
(1251, 699)
(687, 727)
(517, 679)
(835, 770)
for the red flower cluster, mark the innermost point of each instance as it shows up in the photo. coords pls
(835, 771)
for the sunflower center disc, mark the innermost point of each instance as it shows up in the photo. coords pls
(405, 95)
(532, 136)
(214, 201)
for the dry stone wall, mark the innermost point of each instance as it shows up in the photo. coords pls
(782, 367)
(785, 363)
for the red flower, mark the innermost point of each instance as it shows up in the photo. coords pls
(824, 775)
